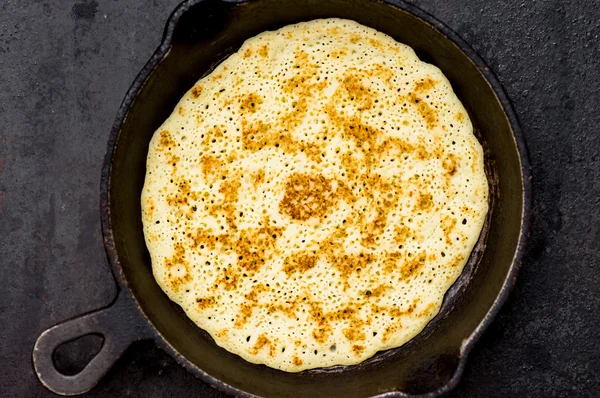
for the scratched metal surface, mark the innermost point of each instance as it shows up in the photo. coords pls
(64, 68)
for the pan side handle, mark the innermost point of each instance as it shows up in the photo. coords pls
(119, 324)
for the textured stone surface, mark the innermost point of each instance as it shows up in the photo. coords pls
(64, 68)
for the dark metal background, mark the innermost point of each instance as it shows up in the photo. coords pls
(64, 68)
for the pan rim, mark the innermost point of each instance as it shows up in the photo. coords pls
(162, 51)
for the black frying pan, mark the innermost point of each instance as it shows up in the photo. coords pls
(199, 35)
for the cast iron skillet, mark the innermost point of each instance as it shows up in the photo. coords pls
(199, 35)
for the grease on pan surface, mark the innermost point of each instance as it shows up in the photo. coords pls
(311, 200)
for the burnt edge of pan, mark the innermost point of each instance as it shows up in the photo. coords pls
(123, 285)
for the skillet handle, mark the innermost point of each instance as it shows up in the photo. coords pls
(119, 324)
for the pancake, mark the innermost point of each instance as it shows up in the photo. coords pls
(310, 201)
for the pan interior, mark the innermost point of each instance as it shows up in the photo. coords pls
(205, 35)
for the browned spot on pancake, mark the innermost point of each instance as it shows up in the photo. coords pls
(205, 239)
(312, 152)
(360, 132)
(437, 149)
(230, 191)
(358, 93)
(422, 153)
(411, 267)
(424, 202)
(390, 331)
(306, 196)
(217, 132)
(297, 361)
(248, 53)
(302, 86)
(288, 35)
(353, 127)
(427, 310)
(288, 309)
(395, 312)
(232, 157)
(184, 194)
(460, 116)
(396, 145)
(354, 38)
(299, 262)
(333, 246)
(324, 319)
(321, 333)
(173, 161)
(343, 192)
(229, 278)
(383, 186)
(223, 333)
(374, 229)
(259, 177)
(449, 164)
(382, 72)
(264, 51)
(261, 342)
(238, 81)
(214, 134)
(351, 165)
(247, 307)
(357, 349)
(375, 43)
(428, 113)
(349, 265)
(334, 30)
(301, 58)
(323, 330)
(475, 160)
(448, 224)
(402, 233)
(355, 331)
(150, 207)
(197, 91)
(256, 246)
(250, 102)
(256, 136)
(205, 302)
(166, 140)
(178, 260)
(181, 111)
(338, 53)
(211, 168)
(253, 247)
(425, 85)
(384, 196)
(458, 260)
(259, 135)
(392, 262)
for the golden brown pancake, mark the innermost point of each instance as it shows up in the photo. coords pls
(310, 201)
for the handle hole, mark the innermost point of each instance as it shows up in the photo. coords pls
(72, 357)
